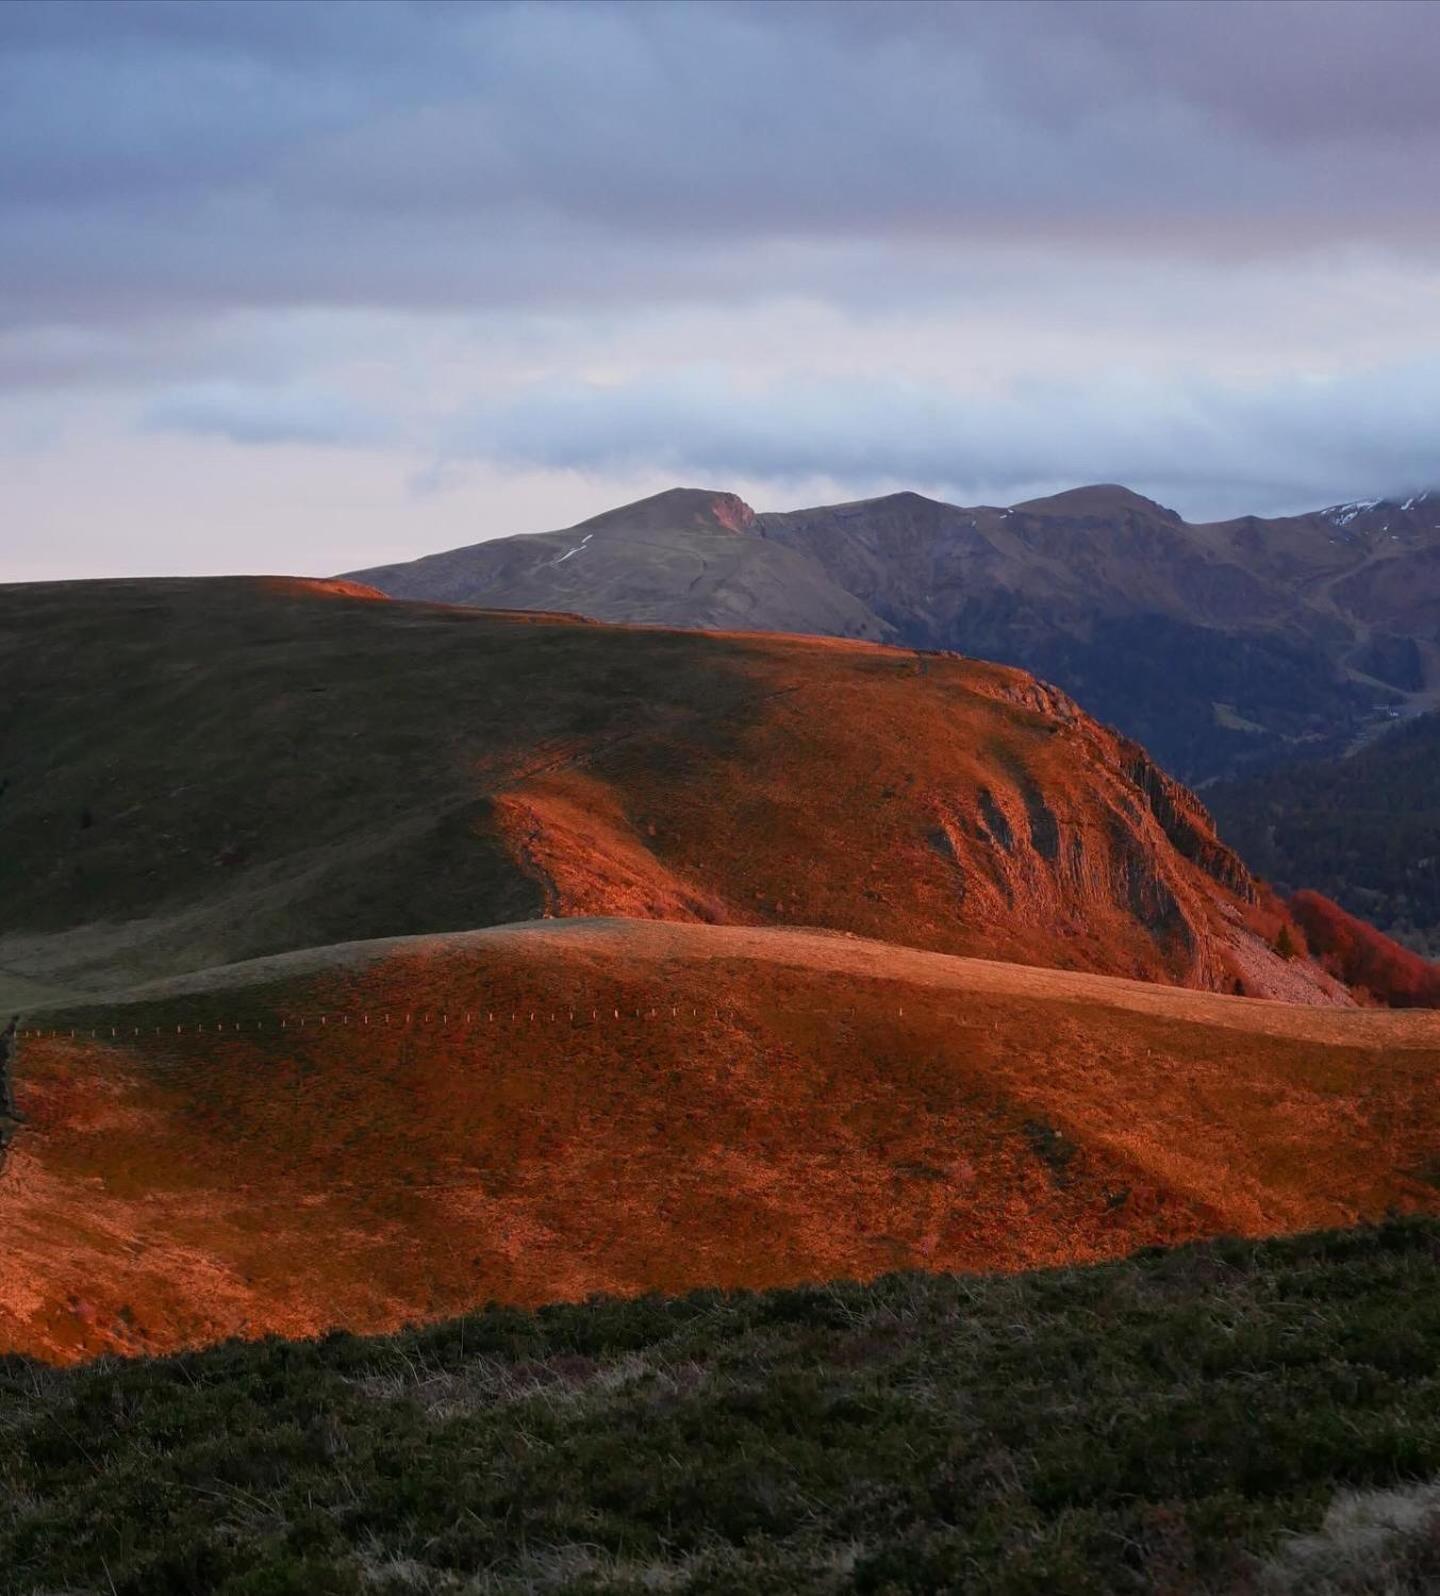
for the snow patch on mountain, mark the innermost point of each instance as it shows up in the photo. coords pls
(580, 545)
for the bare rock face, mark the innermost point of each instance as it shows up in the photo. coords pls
(1186, 822)
(677, 509)
(729, 510)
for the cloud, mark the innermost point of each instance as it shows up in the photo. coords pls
(974, 247)
(421, 155)
(1209, 448)
(259, 415)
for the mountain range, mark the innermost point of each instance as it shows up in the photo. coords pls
(1221, 646)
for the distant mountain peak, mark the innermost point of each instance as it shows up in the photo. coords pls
(1097, 499)
(1342, 515)
(1221, 645)
(904, 502)
(677, 508)
(909, 496)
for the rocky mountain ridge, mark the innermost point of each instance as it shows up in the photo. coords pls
(1221, 646)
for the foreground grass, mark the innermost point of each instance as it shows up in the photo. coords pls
(1168, 1423)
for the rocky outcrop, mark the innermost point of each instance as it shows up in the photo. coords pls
(731, 511)
(1186, 822)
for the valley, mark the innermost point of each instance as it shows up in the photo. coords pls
(1363, 829)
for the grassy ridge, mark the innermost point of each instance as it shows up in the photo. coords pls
(820, 1107)
(195, 772)
(1162, 1423)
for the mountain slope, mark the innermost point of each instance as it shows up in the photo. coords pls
(636, 563)
(1218, 646)
(1364, 830)
(1215, 646)
(202, 771)
(544, 1111)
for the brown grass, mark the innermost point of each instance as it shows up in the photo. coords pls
(835, 1107)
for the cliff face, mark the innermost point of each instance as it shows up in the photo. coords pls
(1186, 822)
(730, 510)
(408, 769)
(930, 800)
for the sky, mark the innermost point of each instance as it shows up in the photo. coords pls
(293, 287)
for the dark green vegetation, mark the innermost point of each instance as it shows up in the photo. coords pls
(197, 771)
(1364, 830)
(1167, 1423)
(1289, 688)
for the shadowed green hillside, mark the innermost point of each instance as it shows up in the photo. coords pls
(1169, 1423)
(193, 771)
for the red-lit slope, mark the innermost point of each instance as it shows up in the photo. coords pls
(785, 1106)
(930, 800)
(1364, 958)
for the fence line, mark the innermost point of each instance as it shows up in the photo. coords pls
(469, 1019)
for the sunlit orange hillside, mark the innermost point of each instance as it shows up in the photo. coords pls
(740, 1014)
(202, 771)
(474, 1120)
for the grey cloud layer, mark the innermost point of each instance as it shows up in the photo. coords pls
(409, 154)
(254, 414)
(187, 192)
(1207, 448)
